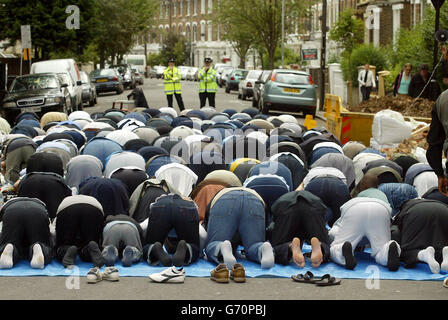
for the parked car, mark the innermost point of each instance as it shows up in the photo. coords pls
(128, 76)
(222, 75)
(39, 93)
(234, 78)
(183, 72)
(159, 71)
(196, 75)
(88, 90)
(152, 73)
(246, 86)
(289, 90)
(63, 67)
(107, 80)
(259, 84)
(139, 78)
(191, 72)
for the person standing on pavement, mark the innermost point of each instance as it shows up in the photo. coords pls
(171, 80)
(438, 141)
(207, 84)
(366, 82)
(403, 80)
(419, 86)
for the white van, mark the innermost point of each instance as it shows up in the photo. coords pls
(68, 72)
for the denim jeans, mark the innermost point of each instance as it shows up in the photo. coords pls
(168, 212)
(234, 211)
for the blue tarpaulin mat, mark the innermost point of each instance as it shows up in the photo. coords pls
(366, 269)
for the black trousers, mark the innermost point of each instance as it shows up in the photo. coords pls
(304, 224)
(179, 100)
(23, 228)
(203, 96)
(77, 226)
(173, 212)
(365, 91)
(423, 225)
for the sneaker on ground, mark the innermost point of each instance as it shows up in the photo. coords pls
(170, 275)
(94, 275)
(111, 274)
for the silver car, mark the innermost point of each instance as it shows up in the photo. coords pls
(246, 86)
(88, 89)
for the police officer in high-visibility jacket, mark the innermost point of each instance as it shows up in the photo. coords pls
(171, 80)
(207, 84)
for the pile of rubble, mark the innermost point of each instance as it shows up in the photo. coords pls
(403, 104)
(417, 140)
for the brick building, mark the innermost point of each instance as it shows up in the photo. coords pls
(193, 19)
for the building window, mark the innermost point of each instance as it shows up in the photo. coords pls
(166, 11)
(180, 30)
(218, 33)
(195, 7)
(161, 11)
(188, 32)
(188, 7)
(210, 6)
(210, 31)
(202, 6)
(181, 7)
(175, 9)
(202, 30)
(195, 33)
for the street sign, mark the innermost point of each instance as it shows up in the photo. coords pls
(26, 37)
(309, 54)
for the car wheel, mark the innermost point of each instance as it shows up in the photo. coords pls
(239, 95)
(313, 113)
(95, 101)
(243, 96)
(254, 103)
(80, 106)
(92, 103)
(227, 89)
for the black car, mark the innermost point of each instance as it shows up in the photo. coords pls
(125, 70)
(258, 86)
(107, 80)
(39, 93)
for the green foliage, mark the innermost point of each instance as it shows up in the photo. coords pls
(261, 19)
(290, 58)
(48, 28)
(361, 55)
(108, 28)
(154, 59)
(174, 47)
(348, 32)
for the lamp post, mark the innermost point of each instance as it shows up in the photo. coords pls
(283, 33)
(323, 55)
(437, 5)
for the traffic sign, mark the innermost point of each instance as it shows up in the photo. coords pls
(437, 3)
(26, 37)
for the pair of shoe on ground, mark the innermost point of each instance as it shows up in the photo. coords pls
(393, 260)
(324, 281)
(221, 273)
(95, 275)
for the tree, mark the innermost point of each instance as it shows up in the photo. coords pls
(262, 19)
(121, 22)
(174, 47)
(48, 25)
(242, 39)
(348, 33)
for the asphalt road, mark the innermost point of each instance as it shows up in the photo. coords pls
(153, 90)
(202, 288)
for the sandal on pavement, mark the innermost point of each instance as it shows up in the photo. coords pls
(308, 277)
(328, 280)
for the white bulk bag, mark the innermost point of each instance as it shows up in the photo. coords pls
(390, 127)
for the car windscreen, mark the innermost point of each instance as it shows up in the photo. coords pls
(103, 73)
(240, 73)
(291, 78)
(253, 75)
(34, 83)
(84, 78)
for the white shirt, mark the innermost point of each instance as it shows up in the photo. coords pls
(370, 81)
